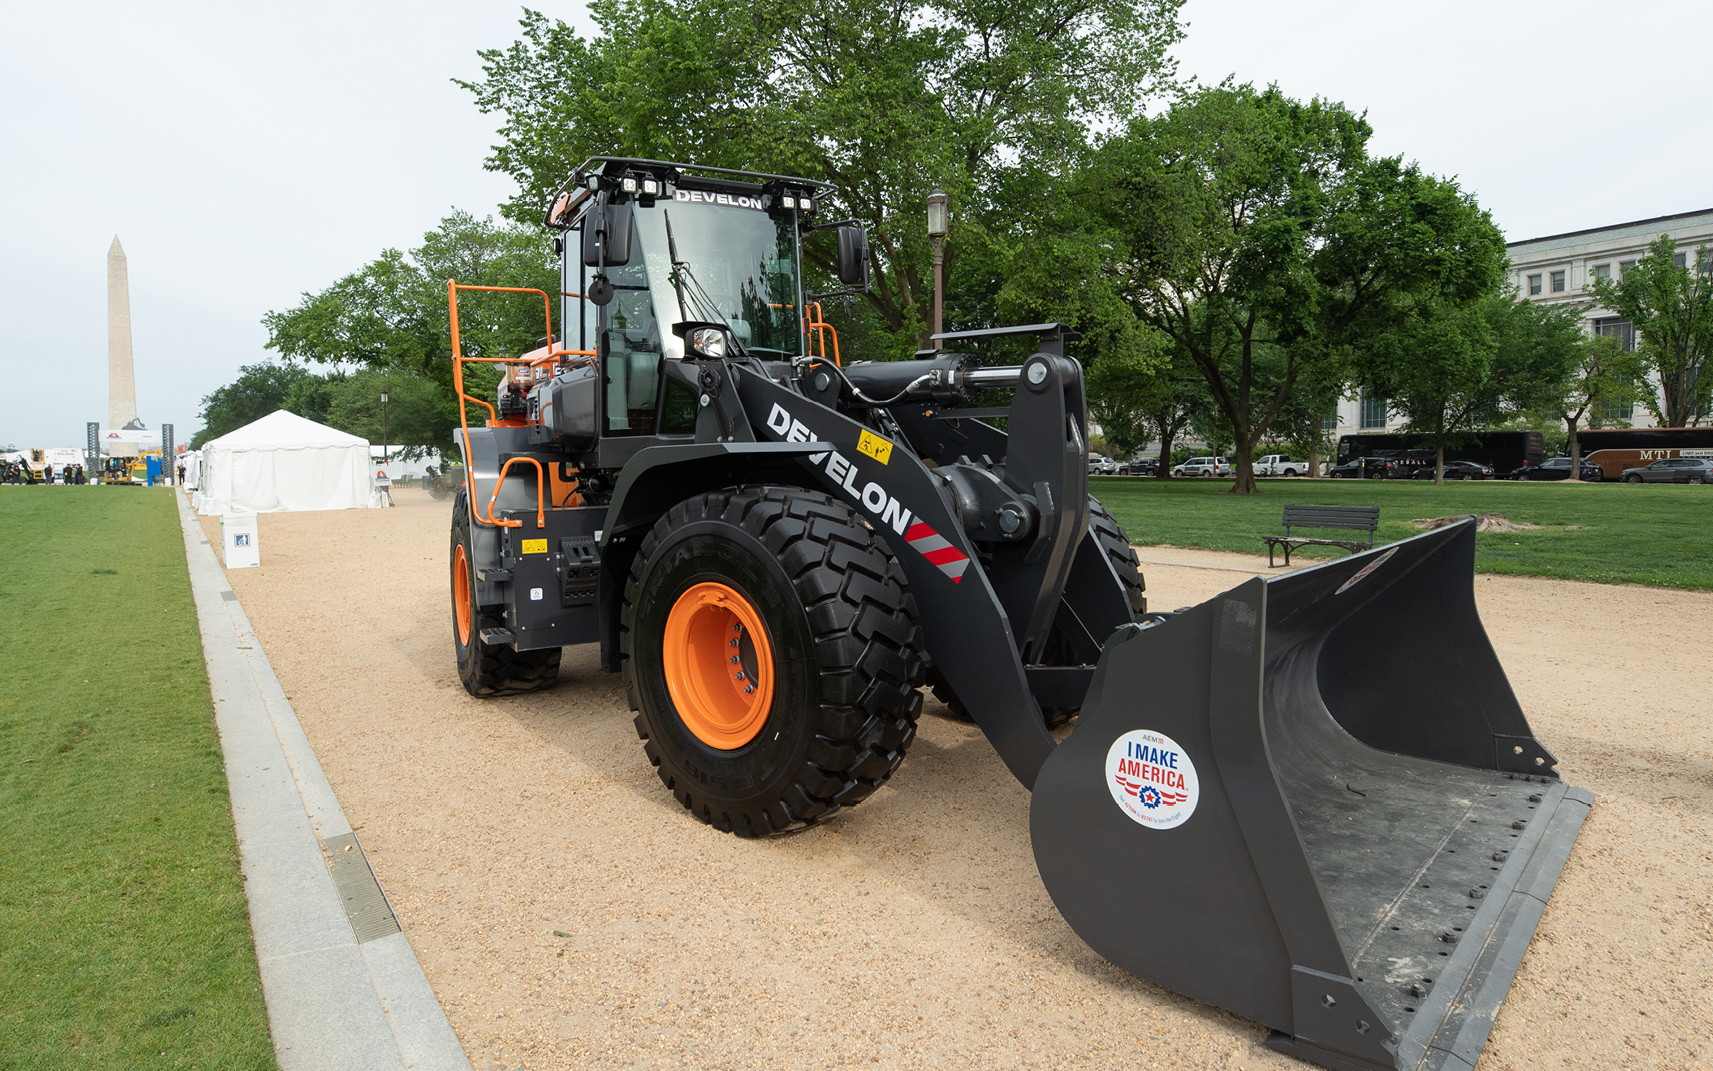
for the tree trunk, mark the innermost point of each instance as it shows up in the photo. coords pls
(1575, 449)
(1167, 434)
(1314, 461)
(1243, 456)
(1439, 466)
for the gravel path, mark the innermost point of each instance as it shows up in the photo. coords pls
(569, 915)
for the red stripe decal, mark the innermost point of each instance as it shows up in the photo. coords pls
(944, 555)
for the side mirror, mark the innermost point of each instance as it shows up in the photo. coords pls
(609, 224)
(853, 257)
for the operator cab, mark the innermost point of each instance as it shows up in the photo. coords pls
(650, 246)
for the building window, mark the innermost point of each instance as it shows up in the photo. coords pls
(1534, 284)
(1602, 271)
(1330, 423)
(1680, 260)
(1373, 412)
(1618, 328)
(1625, 332)
(1557, 282)
(1612, 412)
(1624, 267)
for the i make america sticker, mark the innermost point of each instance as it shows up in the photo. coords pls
(1152, 779)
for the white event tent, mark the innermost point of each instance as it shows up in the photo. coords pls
(285, 462)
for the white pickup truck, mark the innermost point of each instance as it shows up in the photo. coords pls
(1280, 465)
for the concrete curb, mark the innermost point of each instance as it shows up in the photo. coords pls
(335, 1002)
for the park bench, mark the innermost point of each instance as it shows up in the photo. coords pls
(1353, 518)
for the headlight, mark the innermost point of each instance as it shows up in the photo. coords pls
(709, 342)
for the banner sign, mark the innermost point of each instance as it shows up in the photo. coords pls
(140, 436)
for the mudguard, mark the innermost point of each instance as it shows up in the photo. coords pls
(1315, 801)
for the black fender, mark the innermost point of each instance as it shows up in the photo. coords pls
(659, 477)
(964, 624)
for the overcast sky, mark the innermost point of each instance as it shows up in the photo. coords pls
(246, 155)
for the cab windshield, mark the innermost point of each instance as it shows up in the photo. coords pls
(742, 259)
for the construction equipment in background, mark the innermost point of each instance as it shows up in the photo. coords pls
(1278, 802)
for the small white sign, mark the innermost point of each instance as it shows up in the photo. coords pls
(534, 594)
(1152, 779)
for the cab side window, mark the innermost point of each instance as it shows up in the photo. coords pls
(631, 347)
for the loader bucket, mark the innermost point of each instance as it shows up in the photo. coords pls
(1314, 801)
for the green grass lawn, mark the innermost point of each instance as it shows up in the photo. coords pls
(124, 933)
(1660, 534)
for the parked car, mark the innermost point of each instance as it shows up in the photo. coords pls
(1100, 465)
(1461, 470)
(1558, 468)
(1204, 466)
(1408, 467)
(1139, 466)
(1672, 470)
(1280, 465)
(1372, 468)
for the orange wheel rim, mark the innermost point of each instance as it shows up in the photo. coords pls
(461, 593)
(719, 665)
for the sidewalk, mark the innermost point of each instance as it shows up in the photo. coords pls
(344, 990)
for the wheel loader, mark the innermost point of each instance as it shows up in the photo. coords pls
(1313, 800)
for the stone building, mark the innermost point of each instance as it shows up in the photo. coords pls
(1557, 269)
(1560, 268)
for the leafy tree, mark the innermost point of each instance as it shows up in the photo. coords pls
(1603, 374)
(1450, 368)
(312, 397)
(415, 410)
(1672, 310)
(391, 317)
(260, 389)
(884, 99)
(1255, 232)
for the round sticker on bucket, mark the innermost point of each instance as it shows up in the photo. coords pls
(1152, 779)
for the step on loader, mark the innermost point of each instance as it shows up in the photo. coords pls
(1313, 800)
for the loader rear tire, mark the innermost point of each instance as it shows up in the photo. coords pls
(1110, 536)
(824, 628)
(488, 670)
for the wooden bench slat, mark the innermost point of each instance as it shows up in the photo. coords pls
(1347, 518)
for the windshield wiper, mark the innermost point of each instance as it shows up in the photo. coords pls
(683, 279)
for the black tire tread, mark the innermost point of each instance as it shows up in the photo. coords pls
(867, 643)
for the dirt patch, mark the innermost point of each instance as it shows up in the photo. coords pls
(569, 914)
(1486, 522)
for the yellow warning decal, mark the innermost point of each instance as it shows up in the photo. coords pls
(535, 546)
(876, 447)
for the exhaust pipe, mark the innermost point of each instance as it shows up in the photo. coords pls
(1314, 801)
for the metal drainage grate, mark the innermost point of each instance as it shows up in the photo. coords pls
(360, 894)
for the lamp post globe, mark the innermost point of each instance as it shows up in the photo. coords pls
(939, 225)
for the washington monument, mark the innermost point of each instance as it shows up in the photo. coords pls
(121, 382)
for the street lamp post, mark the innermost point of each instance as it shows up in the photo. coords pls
(384, 457)
(939, 223)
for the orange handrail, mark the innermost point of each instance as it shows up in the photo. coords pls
(540, 496)
(535, 366)
(816, 326)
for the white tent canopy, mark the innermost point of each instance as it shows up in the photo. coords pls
(285, 462)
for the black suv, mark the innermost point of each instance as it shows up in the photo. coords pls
(1557, 468)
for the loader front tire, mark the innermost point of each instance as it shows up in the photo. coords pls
(772, 654)
(485, 669)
